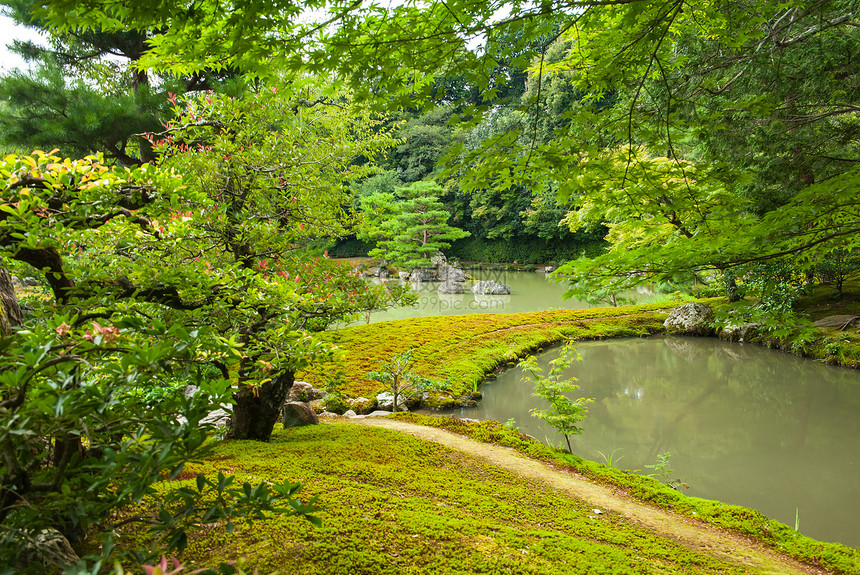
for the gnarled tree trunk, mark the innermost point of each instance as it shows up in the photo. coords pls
(257, 409)
(10, 311)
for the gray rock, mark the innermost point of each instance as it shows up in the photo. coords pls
(360, 404)
(349, 413)
(691, 319)
(297, 414)
(549, 269)
(219, 417)
(377, 413)
(438, 260)
(422, 275)
(404, 276)
(490, 287)
(450, 287)
(448, 273)
(738, 332)
(385, 401)
(304, 392)
(48, 548)
(328, 414)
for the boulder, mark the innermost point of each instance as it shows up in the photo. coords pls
(738, 332)
(450, 287)
(422, 275)
(690, 319)
(298, 414)
(549, 269)
(490, 287)
(438, 260)
(304, 392)
(349, 413)
(448, 273)
(360, 404)
(377, 413)
(385, 401)
(404, 276)
(219, 417)
(48, 548)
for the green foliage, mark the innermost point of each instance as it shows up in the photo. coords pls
(79, 441)
(526, 249)
(838, 267)
(663, 473)
(90, 424)
(410, 226)
(397, 377)
(563, 414)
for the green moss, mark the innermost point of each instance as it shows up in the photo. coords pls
(464, 349)
(833, 556)
(396, 504)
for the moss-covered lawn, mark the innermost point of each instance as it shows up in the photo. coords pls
(399, 505)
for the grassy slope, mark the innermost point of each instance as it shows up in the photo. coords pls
(465, 349)
(400, 505)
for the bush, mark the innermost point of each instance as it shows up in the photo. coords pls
(350, 247)
(527, 250)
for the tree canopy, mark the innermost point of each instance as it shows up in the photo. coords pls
(178, 229)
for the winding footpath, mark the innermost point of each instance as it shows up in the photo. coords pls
(693, 534)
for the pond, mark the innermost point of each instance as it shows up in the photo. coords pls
(530, 291)
(743, 424)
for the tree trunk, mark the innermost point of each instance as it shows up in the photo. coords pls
(10, 311)
(257, 409)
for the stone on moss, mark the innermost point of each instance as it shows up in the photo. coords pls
(298, 414)
(739, 332)
(690, 319)
(303, 391)
(385, 401)
(361, 404)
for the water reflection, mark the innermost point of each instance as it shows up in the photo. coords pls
(530, 291)
(743, 424)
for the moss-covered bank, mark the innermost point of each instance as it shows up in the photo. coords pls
(833, 556)
(398, 505)
(463, 349)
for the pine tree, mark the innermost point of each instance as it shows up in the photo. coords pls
(416, 226)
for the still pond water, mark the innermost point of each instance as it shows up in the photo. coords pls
(530, 291)
(743, 424)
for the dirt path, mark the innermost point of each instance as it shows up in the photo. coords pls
(688, 532)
